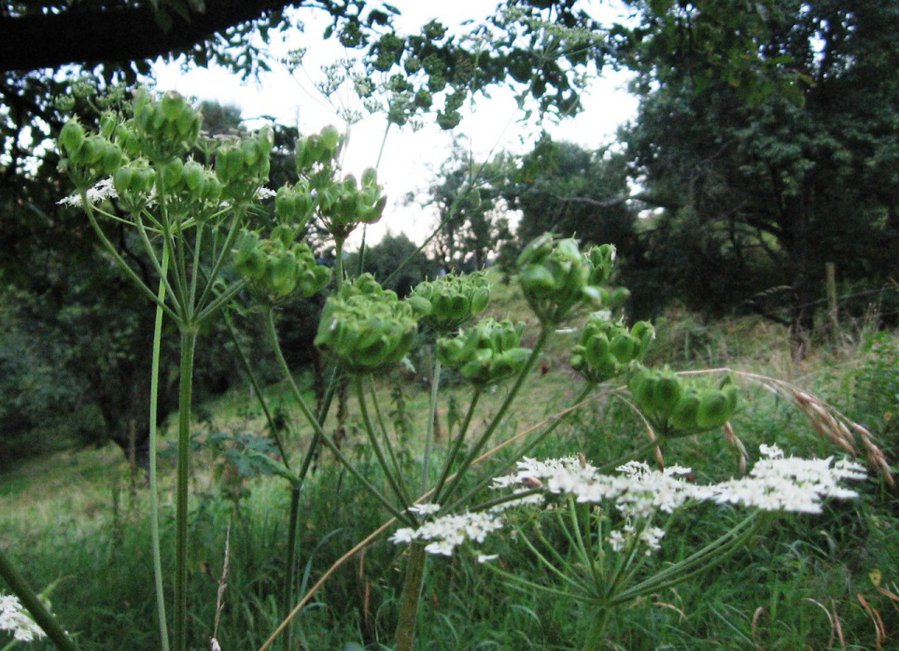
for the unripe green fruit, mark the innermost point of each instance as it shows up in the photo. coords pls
(172, 105)
(122, 180)
(713, 409)
(212, 188)
(666, 394)
(619, 296)
(281, 274)
(71, 136)
(172, 172)
(329, 139)
(194, 178)
(683, 417)
(624, 347)
(642, 385)
(143, 180)
(538, 279)
(90, 152)
(596, 349)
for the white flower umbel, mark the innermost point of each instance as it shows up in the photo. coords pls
(779, 483)
(101, 191)
(776, 483)
(446, 533)
(15, 620)
(639, 491)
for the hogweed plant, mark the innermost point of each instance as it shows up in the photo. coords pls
(610, 523)
(214, 234)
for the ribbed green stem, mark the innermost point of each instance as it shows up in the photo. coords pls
(410, 597)
(35, 607)
(188, 344)
(289, 575)
(597, 633)
(154, 484)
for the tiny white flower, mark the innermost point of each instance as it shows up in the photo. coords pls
(425, 508)
(264, 193)
(486, 558)
(103, 190)
(16, 620)
(616, 540)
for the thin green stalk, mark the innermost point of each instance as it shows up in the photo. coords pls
(222, 256)
(154, 483)
(188, 345)
(386, 437)
(518, 583)
(257, 391)
(545, 562)
(429, 430)
(120, 261)
(316, 426)
(35, 606)
(410, 597)
(396, 482)
(500, 414)
(219, 301)
(195, 274)
(715, 553)
(157, 265)
(513, 459)
(457, 444)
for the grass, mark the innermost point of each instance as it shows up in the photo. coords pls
(74, 521)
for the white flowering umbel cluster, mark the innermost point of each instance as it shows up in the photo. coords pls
(637, 492)
(15, 620)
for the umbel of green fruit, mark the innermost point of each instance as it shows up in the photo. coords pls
(277, 267)
(556, 278)
(677, 407)
(449, 302)
(366, 327)
(487, 353)
(606, 349)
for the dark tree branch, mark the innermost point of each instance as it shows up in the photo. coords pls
(119, 35)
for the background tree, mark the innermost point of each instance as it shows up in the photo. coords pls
(471, 209)
(766, 171)
(564, 188)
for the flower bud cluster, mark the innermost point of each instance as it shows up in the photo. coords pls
(679, 408)
(365, 326)
(450, 301)
(278, 266)
(487, 353)
(605, 349)
(556, 277)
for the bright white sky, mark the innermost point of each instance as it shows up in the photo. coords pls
(411, 158)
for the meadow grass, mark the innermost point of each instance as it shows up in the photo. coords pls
(76, 522)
